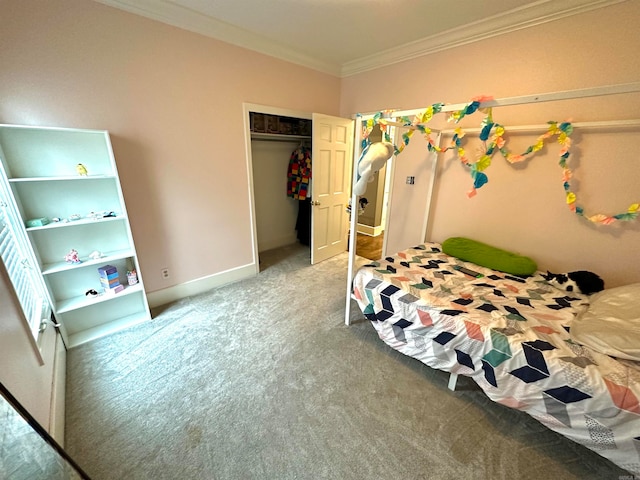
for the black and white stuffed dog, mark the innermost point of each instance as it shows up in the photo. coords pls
(581, 281)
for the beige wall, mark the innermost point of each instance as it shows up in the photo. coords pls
(276, 213)
(523, 208)
(172, 101)
(20, 370)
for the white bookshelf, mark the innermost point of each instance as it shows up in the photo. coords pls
(39, 165)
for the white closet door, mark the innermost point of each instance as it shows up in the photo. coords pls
(331, 159)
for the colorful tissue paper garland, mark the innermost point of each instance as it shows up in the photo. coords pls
(497, 143)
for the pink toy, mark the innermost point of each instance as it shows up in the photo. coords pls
(72, 256)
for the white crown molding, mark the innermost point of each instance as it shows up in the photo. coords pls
(517, 19)
(529, 15)
(178, 16)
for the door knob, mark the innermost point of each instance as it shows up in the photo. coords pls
(315, 202)
(44, 322)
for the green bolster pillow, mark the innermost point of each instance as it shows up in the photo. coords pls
(488, 256)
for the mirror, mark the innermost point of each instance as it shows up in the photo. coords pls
(373, 209)
(27, 451)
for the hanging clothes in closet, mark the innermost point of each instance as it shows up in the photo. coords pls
(299, 173)
(299, 188)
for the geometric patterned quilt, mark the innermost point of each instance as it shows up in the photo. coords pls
(511, 335)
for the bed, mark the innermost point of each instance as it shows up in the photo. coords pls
(512, 336)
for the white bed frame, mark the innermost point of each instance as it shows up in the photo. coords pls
(526, 99)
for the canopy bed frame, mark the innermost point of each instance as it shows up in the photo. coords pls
(503, 102)
(510, 334)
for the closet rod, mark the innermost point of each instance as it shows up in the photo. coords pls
(524, 99)
(276, 137)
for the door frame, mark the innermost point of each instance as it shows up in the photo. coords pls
(269, 110)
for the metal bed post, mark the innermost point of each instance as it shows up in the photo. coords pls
(353, 230)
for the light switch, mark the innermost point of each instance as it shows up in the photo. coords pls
(411, 180)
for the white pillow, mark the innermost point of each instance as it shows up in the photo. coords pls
(611, 324)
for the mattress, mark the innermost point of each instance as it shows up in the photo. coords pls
(511, 335)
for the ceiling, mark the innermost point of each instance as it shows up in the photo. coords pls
(345, 37)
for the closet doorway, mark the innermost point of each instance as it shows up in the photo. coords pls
(320, 220)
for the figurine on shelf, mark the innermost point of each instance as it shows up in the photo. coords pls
(82, 170)
(74, 217)
(95, 255)
(72, 256)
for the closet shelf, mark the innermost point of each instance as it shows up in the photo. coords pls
(279, 137)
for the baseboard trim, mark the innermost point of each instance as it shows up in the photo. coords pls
(200, 285)
(369, 230)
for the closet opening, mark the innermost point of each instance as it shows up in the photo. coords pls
(282, 186)
(279, 156)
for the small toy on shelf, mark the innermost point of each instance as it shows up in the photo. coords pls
(100, 215)
(109, 279)
(132, 277)
(95, 255)
(82, 170)
(72, 257)
(38, 222)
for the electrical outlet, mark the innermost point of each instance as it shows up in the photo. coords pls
(165, 273)
(411, 180)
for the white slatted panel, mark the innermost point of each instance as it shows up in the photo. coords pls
(23, 278)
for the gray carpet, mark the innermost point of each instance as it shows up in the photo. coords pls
(262, 380)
